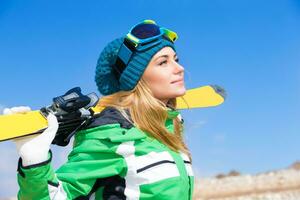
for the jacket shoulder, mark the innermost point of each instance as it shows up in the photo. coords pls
(110, 125)
(110, 115)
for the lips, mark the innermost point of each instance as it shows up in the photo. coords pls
(179, 80)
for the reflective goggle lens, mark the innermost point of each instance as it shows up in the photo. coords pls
(144, 31)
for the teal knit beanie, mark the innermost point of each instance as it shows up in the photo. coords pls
(107, 78)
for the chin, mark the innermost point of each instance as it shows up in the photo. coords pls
(179, 92)
(183, 91)
(171, 92)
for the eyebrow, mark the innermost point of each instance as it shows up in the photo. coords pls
(164, 56)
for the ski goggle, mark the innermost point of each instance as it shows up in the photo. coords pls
(141, 37)
(147, 34)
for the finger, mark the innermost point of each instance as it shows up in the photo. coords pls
(24, 139)
(28, 137)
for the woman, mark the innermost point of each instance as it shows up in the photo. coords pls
(134, 149)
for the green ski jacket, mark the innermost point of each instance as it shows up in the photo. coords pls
(112, 160)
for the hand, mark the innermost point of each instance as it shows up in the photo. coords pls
(34, 149)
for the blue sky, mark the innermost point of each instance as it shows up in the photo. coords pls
(251, 48)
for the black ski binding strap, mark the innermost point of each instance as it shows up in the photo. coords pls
(72, 111)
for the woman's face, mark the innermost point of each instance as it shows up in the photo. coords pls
(164, 75)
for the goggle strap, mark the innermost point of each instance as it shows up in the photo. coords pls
(167, 38)
(125, 54)
(123, 58)
(119, 67)
(154, 41)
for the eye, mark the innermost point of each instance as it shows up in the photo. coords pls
(163, 62)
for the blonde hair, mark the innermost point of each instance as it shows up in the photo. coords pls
(148, 114)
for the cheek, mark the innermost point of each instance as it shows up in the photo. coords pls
(156, 76)
(158, 81)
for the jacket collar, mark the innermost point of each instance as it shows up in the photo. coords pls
(172, 113)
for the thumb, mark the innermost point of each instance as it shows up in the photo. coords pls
(52, 122)
(50, 132)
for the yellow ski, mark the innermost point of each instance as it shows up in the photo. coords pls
(33, 122)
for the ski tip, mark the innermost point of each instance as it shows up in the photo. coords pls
(219, 90)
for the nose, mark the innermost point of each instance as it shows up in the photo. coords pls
(178, 69)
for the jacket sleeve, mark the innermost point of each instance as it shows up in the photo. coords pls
(90, 160)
